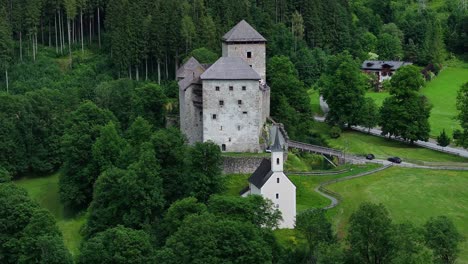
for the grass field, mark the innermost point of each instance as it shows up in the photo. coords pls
(314, 96)
(442, 93)
(410, 195)
(44, 190)
(360, 143)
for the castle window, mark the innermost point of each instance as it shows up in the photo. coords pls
(245, 112)
(244, 88)
(249, 54)
(231, 88)
(221, 102)
(277, 161)
(214, 116)
(250, 65)
(201, 116)
(239, 102)
(238, 128)
(277, 180)
(229, 139)
(221, 128)
(217, 88)
(223, 147)
(277, 196)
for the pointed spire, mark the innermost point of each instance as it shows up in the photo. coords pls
(277, 145)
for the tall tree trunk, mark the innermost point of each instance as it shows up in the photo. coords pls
(82, 41)
(6, 79)
(63, 31)
(90, 30)
(99, 26)
(72, 26)
(146, 69)
(55, 28)
(42, 31)
(60, 31)
(130, 72)
(167, 68)
(159, 72)
(31, 37)
(21, 46)
(137, 73)
(50, 36)
(69, 41)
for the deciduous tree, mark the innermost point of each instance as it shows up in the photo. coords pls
(443, 238)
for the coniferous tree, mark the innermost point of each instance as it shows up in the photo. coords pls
(6, 45)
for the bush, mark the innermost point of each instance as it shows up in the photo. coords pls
(457, 134)
(335, 132)
(443, 140)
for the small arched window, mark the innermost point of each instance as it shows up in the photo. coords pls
(223, 147)
(277, 161)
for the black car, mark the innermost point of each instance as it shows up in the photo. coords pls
(370, 156)
(394, 159)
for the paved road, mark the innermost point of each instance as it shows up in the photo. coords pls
(430, 145)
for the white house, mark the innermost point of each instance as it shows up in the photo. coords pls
(384, 70)
(270, 182)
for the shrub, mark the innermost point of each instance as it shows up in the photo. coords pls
(335, 132)
(457, 134)
(443, 140)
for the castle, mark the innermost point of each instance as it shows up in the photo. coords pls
(227, 102)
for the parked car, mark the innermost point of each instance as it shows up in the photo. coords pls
(370, 156)
(394, 159)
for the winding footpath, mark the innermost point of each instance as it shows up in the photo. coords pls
(335, 197)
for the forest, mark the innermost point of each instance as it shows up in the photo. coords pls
(87, 88)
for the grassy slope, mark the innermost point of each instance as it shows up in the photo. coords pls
(359, 143)
(45, 191)
(442, 93)
(410, 195)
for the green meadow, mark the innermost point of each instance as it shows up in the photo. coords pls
(45, 191)
(412, 195)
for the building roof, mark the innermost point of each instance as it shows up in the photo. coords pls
(243, 32)
(261, 174)
(378, 65)
(277, 145)
(230, 68)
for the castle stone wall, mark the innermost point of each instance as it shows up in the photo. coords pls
(237, 126)
(258, 51)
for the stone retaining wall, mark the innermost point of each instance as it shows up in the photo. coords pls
(241, 164)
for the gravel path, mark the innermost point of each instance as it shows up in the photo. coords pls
(335, 197)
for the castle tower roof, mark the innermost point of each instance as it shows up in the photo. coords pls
(243, 32)
(230, 68)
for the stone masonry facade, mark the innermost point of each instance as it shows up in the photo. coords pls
(227, 102)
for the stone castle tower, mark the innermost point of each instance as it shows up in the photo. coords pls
(227, 102)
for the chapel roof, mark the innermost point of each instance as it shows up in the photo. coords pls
(243, 32)
(230, 68)
(261, 174)
(277, 145)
